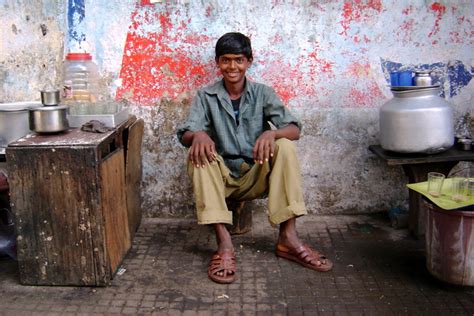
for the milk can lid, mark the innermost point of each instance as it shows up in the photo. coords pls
(78, 56)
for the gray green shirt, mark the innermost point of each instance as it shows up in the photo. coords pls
(211, 111)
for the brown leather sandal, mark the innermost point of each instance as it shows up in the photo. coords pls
(305, 256)
(222, 262)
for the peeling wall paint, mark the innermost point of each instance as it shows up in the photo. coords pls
(305, 56)
(328, 60)
(76, 12)
(31, 48)
(452, 76)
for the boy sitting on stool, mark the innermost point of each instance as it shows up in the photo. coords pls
(233, 155)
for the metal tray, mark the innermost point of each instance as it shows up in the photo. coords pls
(110, 120)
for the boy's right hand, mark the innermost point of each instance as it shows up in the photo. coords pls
(202, 149)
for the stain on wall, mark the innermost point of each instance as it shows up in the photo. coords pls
(328, 60)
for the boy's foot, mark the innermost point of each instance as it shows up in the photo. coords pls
(222, 267)
(305, 256)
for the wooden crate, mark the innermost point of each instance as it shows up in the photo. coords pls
(132, 140)
(68, 194)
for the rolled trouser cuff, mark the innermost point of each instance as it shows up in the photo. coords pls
(295, 209)
(209, 217)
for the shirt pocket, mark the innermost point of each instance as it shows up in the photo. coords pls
(253, 128)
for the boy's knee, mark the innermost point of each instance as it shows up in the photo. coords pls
(285, 145)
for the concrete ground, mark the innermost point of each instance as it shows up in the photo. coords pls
(377, 271)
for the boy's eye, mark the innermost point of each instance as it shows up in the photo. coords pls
(239, 60)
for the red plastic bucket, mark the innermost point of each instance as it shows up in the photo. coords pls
(450, 244)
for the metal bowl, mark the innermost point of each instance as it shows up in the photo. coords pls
(48, 119)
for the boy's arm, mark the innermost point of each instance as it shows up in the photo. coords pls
(287, 126)
(202, 148)
(192, 133)
(265, 144)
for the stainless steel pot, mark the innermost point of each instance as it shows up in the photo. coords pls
(49, 119)
(416, 120)
(14, 121)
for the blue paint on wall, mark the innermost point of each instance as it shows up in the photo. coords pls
(459, 76)
(75, 16)
(455, 73)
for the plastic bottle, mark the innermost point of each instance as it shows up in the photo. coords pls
(80, 79)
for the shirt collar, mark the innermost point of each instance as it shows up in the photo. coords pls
(218, 88)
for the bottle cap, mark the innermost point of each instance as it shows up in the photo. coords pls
(78, 56)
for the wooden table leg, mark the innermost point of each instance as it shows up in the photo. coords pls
(418, 173)
(241, 216)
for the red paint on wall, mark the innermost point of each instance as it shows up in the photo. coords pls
(406, 30)
(367, 94)
(455, 37)
(408, 10)
(163, 58)
(319, 65)
(364, 98)
(282, 77)
(439, 11)
(358, 70)
(153, 69)
(298, 79)
(358, 11)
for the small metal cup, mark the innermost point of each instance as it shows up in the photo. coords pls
(50, 97)
(465, 143)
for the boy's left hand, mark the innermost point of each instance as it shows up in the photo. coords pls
(264, 147)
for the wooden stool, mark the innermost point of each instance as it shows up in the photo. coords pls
(241, 216)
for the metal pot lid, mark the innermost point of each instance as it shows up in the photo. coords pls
(19, 106)
(410, 88)
(49, 108)
(416, 93)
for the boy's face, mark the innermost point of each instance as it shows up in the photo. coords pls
(233, 67)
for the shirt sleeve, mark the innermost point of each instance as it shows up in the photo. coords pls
(197, 120)
(276, 112)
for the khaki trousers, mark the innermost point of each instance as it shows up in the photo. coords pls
(280, 179)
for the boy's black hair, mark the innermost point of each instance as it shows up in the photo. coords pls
(234, 43)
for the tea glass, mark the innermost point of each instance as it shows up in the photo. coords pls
(470, 187)
(435, 183)
(459, 189)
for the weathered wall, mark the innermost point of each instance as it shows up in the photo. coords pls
(328, 60)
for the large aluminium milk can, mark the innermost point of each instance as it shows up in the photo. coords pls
(416, 120)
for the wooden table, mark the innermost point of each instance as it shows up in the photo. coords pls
(416, 168)
(76, 200)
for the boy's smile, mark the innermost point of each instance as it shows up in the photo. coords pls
(233, 67)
